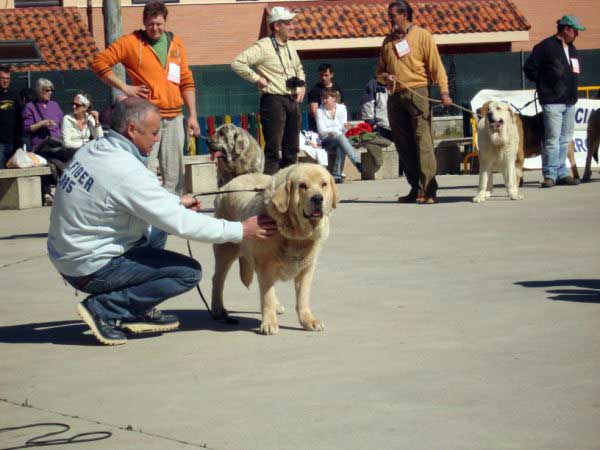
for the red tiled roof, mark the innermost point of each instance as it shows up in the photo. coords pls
(359, 19)
(61, 34)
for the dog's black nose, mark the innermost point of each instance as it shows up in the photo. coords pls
(317, 199)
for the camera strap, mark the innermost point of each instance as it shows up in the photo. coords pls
(278, 51)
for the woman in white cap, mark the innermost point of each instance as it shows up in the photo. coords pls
(81, 124)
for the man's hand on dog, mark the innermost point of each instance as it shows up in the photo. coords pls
(259, 227)
(191, 202)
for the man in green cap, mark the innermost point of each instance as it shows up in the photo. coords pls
(555, 67)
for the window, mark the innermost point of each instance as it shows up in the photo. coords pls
(35, 3)
(143, 2)
(24, 51)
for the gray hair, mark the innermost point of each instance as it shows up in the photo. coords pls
(131, 110)
(42, 83)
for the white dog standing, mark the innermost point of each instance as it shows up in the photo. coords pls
(498, 143)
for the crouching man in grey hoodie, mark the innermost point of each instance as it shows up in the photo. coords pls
(109, 226)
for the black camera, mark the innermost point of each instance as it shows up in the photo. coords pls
(294, 83)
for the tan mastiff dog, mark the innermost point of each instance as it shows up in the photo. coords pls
(300, 199)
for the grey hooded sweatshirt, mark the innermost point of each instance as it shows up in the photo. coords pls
(105, 201)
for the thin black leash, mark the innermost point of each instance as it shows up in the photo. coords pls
(226, 320)
(228, 192)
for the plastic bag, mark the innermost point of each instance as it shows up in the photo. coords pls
(23, 160)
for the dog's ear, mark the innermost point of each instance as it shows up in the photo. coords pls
(241, 141)
(281, 196)
(334, 192)
(484, 109)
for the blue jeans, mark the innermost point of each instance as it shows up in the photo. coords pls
(342, 147)
(559, 122)
(137, 281)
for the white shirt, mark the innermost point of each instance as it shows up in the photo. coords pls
(326, 123)
(73, 137)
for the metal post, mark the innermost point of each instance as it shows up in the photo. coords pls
(522, 76)
(90, 17)
(111, 9)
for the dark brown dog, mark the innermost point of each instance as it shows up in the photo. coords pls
(592, 142)
(531, 134)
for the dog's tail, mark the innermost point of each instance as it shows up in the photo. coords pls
(246, 272)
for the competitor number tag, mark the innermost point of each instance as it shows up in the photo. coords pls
(402, 48)
(575, 64)
(174, 74)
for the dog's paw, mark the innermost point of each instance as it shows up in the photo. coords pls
(279, 309)
(586, 177)
(488, 194)
(312, 325)
(220, 313)
(480, 197)
(269, 327)
(516, 197)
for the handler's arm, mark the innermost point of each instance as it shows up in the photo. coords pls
(242, 64)
(531, 68)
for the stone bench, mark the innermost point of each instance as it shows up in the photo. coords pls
(21, 188)
(200, 174)
(380, 163)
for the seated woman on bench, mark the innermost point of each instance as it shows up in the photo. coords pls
(82, 124)
(332, 122)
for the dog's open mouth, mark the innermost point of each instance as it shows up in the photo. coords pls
(215, 155)
(316, 214)
(496, 124)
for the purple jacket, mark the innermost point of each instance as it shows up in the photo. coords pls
(31, 116)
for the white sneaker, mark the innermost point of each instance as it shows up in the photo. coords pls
(48, 200)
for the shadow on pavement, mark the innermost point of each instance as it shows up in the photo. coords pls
(75, 332)
(588, 292)
(193, 320)
(444, 199)
(65, 332)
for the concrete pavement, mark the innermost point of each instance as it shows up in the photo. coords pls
(455, 326)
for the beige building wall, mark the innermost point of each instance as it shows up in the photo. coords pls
(543, 14)
(212, 34)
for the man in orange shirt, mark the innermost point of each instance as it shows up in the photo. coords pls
(156, 63)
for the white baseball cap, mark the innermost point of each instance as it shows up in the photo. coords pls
(280, 13)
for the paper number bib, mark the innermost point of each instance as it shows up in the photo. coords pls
(174, 74)
(575, 64)
(402, 48)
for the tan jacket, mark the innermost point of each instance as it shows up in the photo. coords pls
(262, 56)
(421, 67)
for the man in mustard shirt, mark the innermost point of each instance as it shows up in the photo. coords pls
(409, 59)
